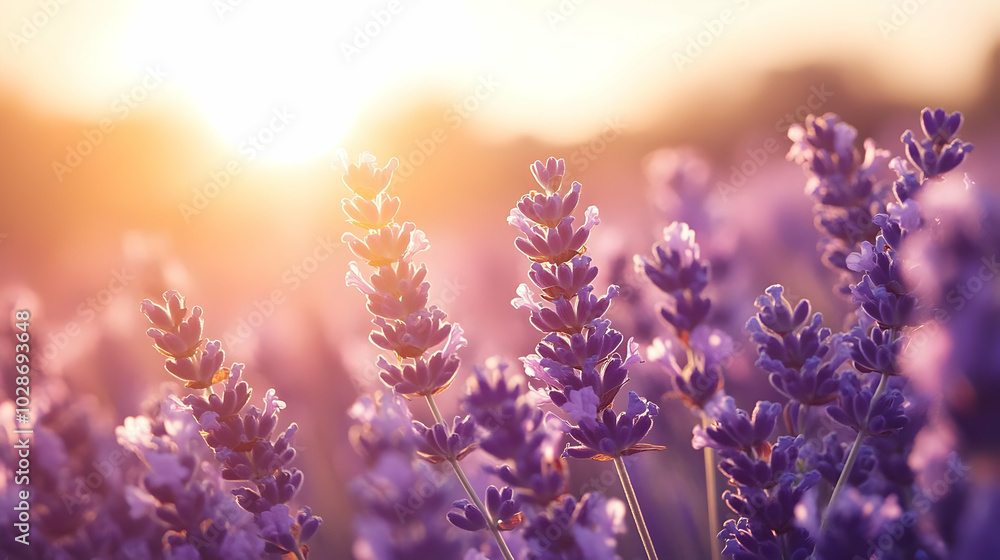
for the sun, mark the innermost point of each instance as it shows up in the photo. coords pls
(274, 83)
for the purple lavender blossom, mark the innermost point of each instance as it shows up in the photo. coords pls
(500, 506)
(577, 359)
(801, 357)
(185, 490)
(576, 529)
(241, 440)
(843, 182)
(407, 327)
(870, 526)
(769, 484)
(440, 442)
(82, 483)
(938, 152)
(401, 500)
(677, 270)
(515, 430)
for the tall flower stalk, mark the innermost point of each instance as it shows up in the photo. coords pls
(677, 269)
(407, 327)
(887, 306)
(577, 358)
(241, 439)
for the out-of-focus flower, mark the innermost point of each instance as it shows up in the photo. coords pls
(500, 506)
(844, 184)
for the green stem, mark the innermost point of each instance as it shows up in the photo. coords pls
(712, 493)
(853, 456)
(633, 503)
(468, 487)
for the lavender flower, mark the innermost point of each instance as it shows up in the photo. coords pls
(242, 441)
(577, 358)
(801, 357)
(869, 526)
(677, 269)
(747, 540)
(576, 529)
(768, 483)
(843, 182)
(614, 436)
(440, 443)
(500, 505)
(81, 483)
(185, 491)
(397, 297)
(514, 430)
(938, 152)
(401, 501)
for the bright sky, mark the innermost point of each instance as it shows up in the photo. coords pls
(556, 70)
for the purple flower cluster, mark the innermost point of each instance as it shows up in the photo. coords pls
(801, 357)
(556, 525)
(871, 400)
(514, 429)
(407, 327)
(577, 358)
(938, 153)
(955, 355)
(82, 484)
(678, 270)
(397, 292)
(401, 499)
(184, 489)
(240, 439)
(769, 484)
(844, 184)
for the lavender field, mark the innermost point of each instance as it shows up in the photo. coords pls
(558, 281)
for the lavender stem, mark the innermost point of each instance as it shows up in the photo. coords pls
(712, 492)
(468, 487)
(841, 482)
(633, 503)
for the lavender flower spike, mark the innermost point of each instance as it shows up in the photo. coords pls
(405, 325)
(577, 358)
(243, 441)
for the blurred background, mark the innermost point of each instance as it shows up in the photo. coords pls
(147, 146)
